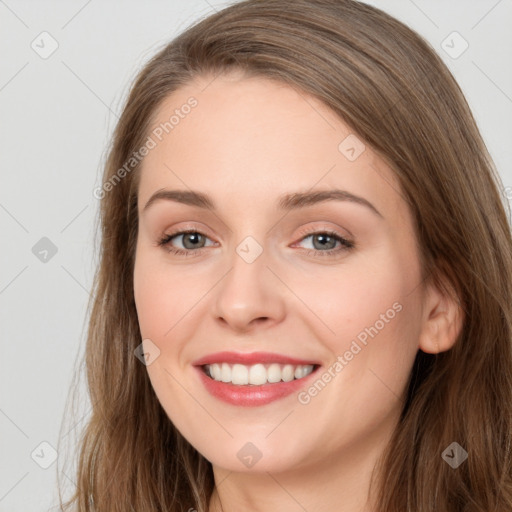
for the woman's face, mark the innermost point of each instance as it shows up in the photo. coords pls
(262, 289)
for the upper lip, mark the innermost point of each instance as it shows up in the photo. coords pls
(250, 358)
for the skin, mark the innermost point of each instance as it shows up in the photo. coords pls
(249, 141)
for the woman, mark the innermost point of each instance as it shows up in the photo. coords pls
(341, 337)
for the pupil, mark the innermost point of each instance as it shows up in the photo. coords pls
(323, 243)
(190, 235)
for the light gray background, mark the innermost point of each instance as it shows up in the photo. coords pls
(57, 115)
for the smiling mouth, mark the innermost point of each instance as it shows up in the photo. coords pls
(257, 374)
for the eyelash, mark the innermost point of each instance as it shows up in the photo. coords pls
(346, 244)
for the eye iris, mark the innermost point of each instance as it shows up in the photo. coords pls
(194, 235)
(323, 245)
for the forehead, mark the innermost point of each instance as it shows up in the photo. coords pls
(260, 139)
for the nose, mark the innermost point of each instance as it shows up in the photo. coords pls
(250, 294)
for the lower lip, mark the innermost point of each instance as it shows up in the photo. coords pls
(250, 395)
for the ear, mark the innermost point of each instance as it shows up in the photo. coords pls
(443, 318)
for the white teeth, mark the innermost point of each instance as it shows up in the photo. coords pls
(274, 373)
(216, 371)
(257, 374)
(240, 374)
(287, 373)
(225, 373)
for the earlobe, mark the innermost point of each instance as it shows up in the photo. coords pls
(442, 320)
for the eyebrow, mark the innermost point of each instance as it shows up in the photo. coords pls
(287, 202)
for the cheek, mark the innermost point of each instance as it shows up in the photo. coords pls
(152, 301)
(373, 321)
(368, 313)
(162, 295)
(161, 300)
(350, 298)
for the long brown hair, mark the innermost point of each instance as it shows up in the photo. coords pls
(397, 95)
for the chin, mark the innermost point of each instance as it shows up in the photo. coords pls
(253, 456)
